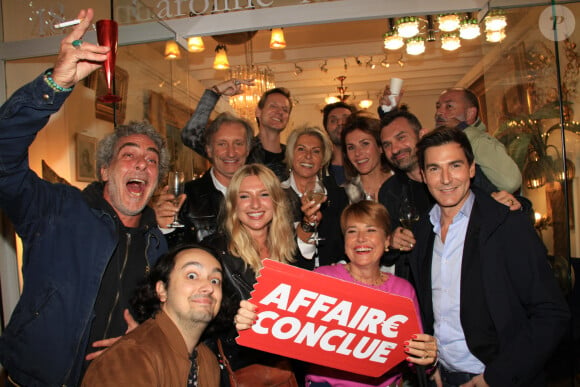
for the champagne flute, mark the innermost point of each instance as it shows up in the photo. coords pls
(176, 187)
(107, 35)
(408, 214)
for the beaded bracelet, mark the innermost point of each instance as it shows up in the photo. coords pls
(50, 82)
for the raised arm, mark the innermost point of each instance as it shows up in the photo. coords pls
(192, 132)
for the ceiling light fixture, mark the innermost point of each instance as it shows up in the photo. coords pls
(297, 69)
(495, 36)
(331, 99)
(448, 22)
(366, 103)
(469, 29)
(172, 50)
(277, 41)
(370, 64)
(393, 41)
(408, 26)
(450, 41)
(415, 46)
(195, 44)
(324, 66)
(430, 29)
(385, 63)
(245, 103)
(496, 21)
(221, 58)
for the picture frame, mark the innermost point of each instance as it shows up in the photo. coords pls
(103, 111)
(85, 160)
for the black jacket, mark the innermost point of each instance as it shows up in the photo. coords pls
(512, 311)
(199, 213)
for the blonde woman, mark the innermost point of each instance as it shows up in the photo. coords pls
(256, 225)
(308, 154)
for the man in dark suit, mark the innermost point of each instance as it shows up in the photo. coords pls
(499, 323)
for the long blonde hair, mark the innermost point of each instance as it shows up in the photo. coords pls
(281, 241)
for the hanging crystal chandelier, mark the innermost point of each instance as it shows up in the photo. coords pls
(245, 104)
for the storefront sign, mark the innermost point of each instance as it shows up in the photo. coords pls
(169, 9)
(327, 321)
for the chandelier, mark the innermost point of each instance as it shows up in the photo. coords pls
(245, 104)
(414, 31)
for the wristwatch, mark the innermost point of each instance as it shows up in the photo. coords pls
(308, 227)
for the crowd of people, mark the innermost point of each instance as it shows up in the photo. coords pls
(113, 296)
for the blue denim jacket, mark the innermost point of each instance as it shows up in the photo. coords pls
(67, 245)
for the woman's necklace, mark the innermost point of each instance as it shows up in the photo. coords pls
(375, 281)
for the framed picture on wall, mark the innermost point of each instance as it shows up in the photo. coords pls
(86, 151)
(96, 81)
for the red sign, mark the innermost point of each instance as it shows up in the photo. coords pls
(328, 321)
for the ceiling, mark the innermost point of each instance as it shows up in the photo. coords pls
(340, 45)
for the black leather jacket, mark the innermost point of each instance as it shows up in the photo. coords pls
(199, 212)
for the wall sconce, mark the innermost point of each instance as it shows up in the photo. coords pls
(541, 222)
(221, 58)
(450, 41)
(172, 50)
(408, 26)
(195, 44)
(277, 41)
(559, 170)
(449, 22)
(416, 46)
(469, 29)
(537, 171)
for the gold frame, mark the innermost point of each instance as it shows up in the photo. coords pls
(85, 158)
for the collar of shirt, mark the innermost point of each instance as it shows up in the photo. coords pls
(465, 211)
(290, 182)
(219, 186)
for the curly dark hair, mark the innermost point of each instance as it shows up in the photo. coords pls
(145, 302)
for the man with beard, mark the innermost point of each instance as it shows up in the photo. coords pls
(180, 298)
(400, 133)
(459, 108)
(272, 115)
(334, 117)
(84, 251)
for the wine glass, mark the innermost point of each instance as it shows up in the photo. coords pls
(315, 192)
(176, 187)
(107, 35)
(408, 214)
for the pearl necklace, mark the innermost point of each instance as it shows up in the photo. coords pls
(375, 282)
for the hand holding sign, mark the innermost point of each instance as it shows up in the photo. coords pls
(326, 321)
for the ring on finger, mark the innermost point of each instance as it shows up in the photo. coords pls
(77, 43)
